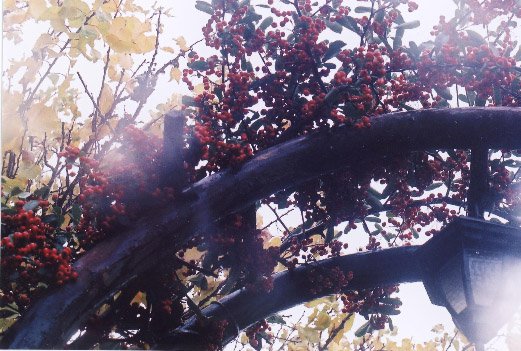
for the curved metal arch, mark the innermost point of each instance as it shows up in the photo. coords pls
(113, 263)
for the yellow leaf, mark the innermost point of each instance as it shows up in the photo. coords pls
(313, 315)
(326, 299)
(347, 326)
(192, 254)
(9, 184)
(12, 125)
(44, 41)
(29, 171)
(199, 88)
(323, 320)
(276, 241)
(297, 347)
(168, 49)
(14, 19)
(37, 8)
(244, 339)
(33, 65)
(308, 334)
(110, 6)
(175, 73)
(75, 11)
(146, 43)
(125, 61)
(106, 99)
(181, 42)
(66, 221)
(105, 129)
(9, 5)
(42, 120)
(140, 298)
(127, 35)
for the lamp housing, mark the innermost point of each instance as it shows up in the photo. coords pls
(473, 268)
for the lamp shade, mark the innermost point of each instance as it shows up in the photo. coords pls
(473, 268)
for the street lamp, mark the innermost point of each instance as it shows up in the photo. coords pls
(473, 268)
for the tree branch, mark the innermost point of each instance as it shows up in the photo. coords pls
(245, 307)
(51, 321)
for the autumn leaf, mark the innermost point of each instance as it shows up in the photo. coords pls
(323, 320)
(12, 126)
(309, 334)
(37, 8)
(127, 35)
(42, 120)
(175, 73)
(181, 42)
(106, 99)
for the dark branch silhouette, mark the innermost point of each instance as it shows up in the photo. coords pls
(51, 321)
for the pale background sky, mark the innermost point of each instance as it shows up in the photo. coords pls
(418, 314)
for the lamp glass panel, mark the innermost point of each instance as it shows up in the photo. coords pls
(451, 281)
(512, 279)
(485, 277)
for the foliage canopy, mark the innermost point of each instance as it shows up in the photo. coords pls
(84, 160)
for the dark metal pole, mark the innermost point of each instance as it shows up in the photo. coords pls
(173, 144)
(478, 188)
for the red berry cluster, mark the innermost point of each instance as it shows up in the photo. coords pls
(32, 253)
(331, 280)
(253, 332)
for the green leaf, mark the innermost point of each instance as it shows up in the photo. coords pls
(409, 25)
(433, 186)
(199, 65)
(24, 195)
(6, 312)
(472, 97)
(31, 205)
(15, 191)
(275, 318)
(373, 219)
(57, 210)
(517, 56)
(43, 192)
(463, 98)
(53, 219)
(511, 163)
(498, 96)
(349, 23)
(200, 281)
(443, 92)
(335, 27)
(266, 23)
(415, 233)
(362, 9)
(188, 100)
(204, 7)
(414, 50)
(475, 38)
(75, 213)
(397, 42)
(330, 233)
(364, 329)
(333, 50)
(394, 301)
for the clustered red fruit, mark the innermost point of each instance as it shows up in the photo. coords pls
(327, 281)
(31, 255)
(374, 304)
(253, 332)
(213, 333)
(266, 86)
